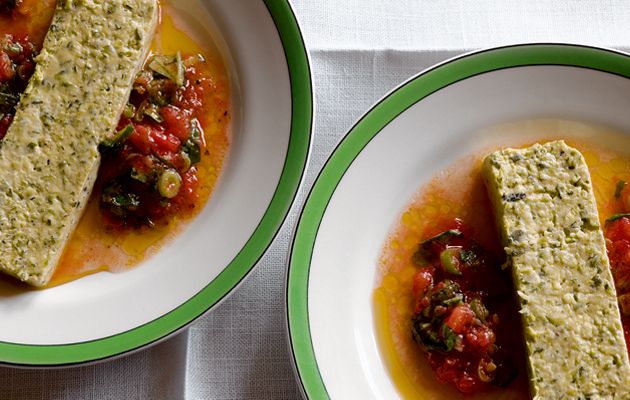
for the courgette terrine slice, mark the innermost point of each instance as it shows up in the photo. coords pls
(49, 157)
(547, 217)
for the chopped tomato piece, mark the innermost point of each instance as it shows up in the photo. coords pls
(460, 318)
(421, 282)
(142, 139)
(4, 125)
(453, 322)
(618, 246)
(165, 142)
(619, 229)
(480, 338)
(176, 122)
(7, 71)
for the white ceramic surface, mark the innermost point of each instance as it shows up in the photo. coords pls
(106, 304)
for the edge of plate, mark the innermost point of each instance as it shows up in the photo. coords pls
(302, 103)
(366, 128)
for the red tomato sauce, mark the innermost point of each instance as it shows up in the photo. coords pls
(618, 246)
(150, 174)
(458, 292)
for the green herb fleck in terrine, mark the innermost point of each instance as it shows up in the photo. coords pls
(547, 217)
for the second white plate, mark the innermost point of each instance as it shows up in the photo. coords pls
(417, 130)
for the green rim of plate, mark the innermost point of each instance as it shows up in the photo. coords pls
(294, 166)
(379, 116)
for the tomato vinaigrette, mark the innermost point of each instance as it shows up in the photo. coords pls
(446, 240)
(164, 158)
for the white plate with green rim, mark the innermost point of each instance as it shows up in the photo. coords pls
(106, 315)
(419, 129)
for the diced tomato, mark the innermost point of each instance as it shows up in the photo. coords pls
(188, 192)
(619, 229)
(453, 370)
(460, 318)
(165, 142)
(4, 125)
(148, 140)
(25, 71)
(7, 71)
(618, 246)
(619, 252)
(142, 139)
(480, 338)
(467, 384)
(176, 122)
(422, 281)
(195, 91)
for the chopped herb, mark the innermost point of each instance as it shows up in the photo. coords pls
(192, 147)
(469, 257)
(479, 309)
(14, 48)
(139, 175)
(455, 300)
(125, 200)
(8, 100)
(450, 260)
(153, 112)
(129, 111)
(170, 67)
(621, 184)
(117, 140)
(423, 255)
(513, 197)
(618, 216)
(138, 35)
(118, 201)
(450, 338)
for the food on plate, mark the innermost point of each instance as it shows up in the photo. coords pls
(161, 135)
(16, 67)
(177, 130)
(445, 277)
(49, 157)
(618, 245)
(23, 26)
(549, 225)
(455, 317)
(149, 168)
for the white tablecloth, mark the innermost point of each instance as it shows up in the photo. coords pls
(360, 49)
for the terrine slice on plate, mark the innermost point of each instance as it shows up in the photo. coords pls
(547, 217)
(49, 157)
